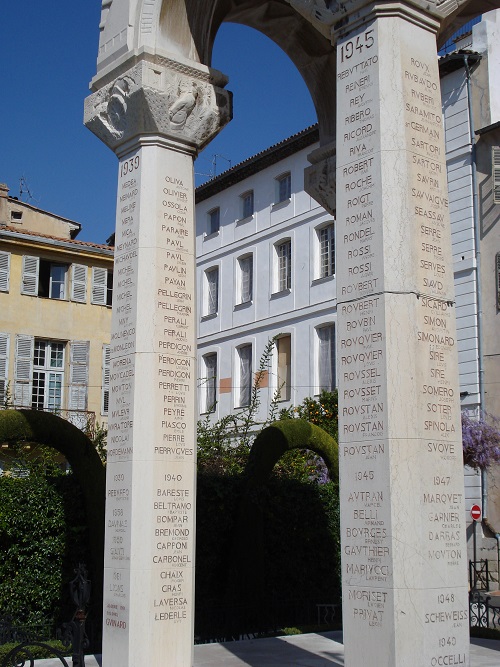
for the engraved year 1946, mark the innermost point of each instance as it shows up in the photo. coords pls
(364, 41)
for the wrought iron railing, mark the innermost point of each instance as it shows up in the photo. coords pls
(484, 610)
(479, 576)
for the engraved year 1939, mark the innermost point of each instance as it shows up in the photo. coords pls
(130, 165)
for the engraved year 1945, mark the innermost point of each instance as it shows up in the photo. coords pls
(364, 41)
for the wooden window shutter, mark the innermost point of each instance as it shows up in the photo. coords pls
(4, 271)
(496, 175)
(79, 283)
(78, 374)
(106, 362)
(29, 283)
(4, 366)
(99, 285)
(23, 370)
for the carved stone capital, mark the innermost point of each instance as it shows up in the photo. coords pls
(329, 15)
(159, 97)
(320, 179)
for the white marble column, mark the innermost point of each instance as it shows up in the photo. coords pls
(155, 116)
(404, 561)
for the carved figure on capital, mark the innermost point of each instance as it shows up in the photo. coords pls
(159, 98)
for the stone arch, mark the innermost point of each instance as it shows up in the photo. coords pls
(48, 429)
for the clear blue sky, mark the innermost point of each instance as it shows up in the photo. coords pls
(49, 52)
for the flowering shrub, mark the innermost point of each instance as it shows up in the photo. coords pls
(480, 441)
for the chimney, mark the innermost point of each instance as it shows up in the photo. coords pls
(4, 209)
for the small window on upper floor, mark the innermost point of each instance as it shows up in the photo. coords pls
(16, 216)
(283, 187)
(213, 221)
(247, 208)
(245, 282)
(496, 174)
(52, 280)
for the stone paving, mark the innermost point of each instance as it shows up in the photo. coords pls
(311, 650)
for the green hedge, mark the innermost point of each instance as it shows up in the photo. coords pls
(43, 537)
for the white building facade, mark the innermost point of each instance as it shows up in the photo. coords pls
(266, 263)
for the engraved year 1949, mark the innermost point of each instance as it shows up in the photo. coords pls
(364, 41)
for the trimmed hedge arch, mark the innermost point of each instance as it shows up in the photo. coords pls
(45, 428)
(283, 436)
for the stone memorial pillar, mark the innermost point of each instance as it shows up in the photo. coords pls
(404, 559)
(155, 114)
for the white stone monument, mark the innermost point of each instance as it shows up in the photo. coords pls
(155, 113)
(404, 559)
(156, 105)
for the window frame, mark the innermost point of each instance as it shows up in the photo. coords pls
(245, 293)
(211, 301)
(4, 271)
(283, 266)
(209, 383)
(245, 375)
(283, 187)
(321, 384)
(495, 173)
(247, 211)
(213, 214)
(326, 269)
(284, 384)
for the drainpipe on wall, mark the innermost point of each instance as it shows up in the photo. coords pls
(477, 252)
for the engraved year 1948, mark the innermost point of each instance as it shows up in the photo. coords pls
(364, 41)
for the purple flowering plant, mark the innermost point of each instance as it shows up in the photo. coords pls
(480, 440)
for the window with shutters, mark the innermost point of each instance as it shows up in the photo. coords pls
(102, 286)
(23, 370)
(211, 292)
(106, 362)
(209, 383)
(4, 271)
(48, 375)
(496, 174)
(79, 283)
(245, 282)
(4, 368)
(44, 278)
(326, 357)
(78, 374)
(245, 375)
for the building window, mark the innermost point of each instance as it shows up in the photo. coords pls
(106, 362)
(102, 286)
(245, 375)
(4, 367)
(283, 187)
(326, 238)
(16, 215)
(247, 204)
(4, 271)
(48, 375)
(326, 357)
(212, 291)
(284, 374)
(210, 383)
(284, 265)
(496, 174)
(44, 278)
(214, 221)
(246, 278)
